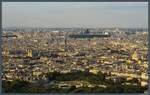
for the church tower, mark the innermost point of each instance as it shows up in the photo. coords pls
(135, 56)
(29, 53)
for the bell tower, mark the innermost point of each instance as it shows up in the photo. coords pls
(29, 53)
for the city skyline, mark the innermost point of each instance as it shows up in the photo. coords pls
(75, 47)
(75, 14)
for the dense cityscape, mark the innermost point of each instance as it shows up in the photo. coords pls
(75, 60)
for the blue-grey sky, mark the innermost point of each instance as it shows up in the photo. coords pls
(75, 14)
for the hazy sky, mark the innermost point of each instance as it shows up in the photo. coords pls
(75, 14)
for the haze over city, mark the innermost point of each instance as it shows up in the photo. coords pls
(75, 47)
(75, 14)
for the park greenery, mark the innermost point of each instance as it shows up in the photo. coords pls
(21, 86)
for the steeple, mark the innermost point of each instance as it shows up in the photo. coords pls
(135, 56)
